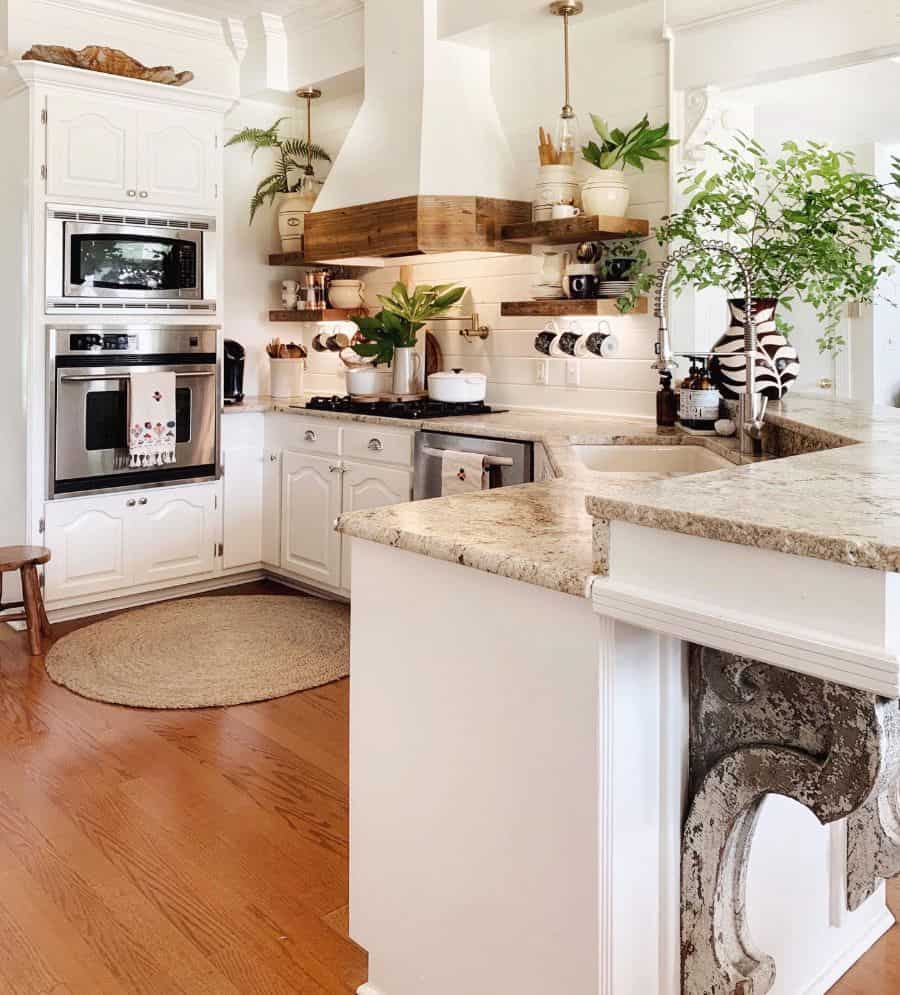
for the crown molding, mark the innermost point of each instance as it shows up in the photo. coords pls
(745, 10)
(144, 15)
(236, 36)
(33, 73)
(315, 14)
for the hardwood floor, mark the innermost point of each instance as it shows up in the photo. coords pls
(200, 852)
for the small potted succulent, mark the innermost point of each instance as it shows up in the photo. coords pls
(606, 190)
(390, 336)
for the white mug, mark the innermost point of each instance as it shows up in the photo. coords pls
(560, 211)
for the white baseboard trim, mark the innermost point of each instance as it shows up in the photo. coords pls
(842, 964)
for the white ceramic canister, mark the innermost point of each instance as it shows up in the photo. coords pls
(347, 294)
(285, 377)
(605, 191)
(292, 211)
(554, 185)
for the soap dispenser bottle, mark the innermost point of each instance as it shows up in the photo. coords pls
(666, 402)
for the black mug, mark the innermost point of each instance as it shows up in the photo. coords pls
(567, 342)
(544, 341)
(581, 285)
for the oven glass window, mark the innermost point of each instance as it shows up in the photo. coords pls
(133, 262)
(106, 418)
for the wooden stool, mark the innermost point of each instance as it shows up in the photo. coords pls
(26, 559)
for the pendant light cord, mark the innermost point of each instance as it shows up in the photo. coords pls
(567, 107)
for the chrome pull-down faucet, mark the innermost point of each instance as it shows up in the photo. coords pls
(752, 407)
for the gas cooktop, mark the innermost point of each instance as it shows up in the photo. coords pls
(420, 410)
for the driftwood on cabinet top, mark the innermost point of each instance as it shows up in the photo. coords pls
(107, 60)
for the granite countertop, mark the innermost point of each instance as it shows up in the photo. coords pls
(841, 503)
(539, 533)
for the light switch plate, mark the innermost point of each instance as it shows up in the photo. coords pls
(542, 371)
(573, 373)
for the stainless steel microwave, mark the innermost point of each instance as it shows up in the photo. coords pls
(106, 261)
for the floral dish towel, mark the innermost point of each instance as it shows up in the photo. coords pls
(151, 419)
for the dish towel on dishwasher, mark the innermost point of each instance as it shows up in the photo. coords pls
(151, 419)
(462, 473)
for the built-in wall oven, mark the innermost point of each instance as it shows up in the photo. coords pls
(100, 261)
(88, 382)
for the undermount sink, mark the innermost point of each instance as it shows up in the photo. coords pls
(669, 460)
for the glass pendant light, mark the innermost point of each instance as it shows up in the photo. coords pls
(568, 136)
(309, 185)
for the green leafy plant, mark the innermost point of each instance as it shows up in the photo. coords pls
(402, 315)
(809, 226)
(295, 155)
(640, 270)
(618, 149)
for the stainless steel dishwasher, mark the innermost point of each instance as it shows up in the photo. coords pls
(507, 462)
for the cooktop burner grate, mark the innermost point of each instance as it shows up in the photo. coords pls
(411, 410)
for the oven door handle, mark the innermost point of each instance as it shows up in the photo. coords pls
(80, 377)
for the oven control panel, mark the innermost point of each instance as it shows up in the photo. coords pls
(107, 342)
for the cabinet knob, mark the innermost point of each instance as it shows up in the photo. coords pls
(131, 193)
(144, 193)
(376, 445)
(273, 457)
(142, 500)
(826, 383)
(130, 503)
(334, 469)
(309, 435)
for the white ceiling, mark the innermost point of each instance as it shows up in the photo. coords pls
(850, 106)
(310, 10)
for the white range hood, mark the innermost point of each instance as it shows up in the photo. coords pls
(428, 128)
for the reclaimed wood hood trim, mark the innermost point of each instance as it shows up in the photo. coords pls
(414, 225)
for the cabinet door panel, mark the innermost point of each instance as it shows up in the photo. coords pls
(271, 508)
(311, 501)
(89, 543)
(177, 536)
(242, 499)
(370, 487)
(177, 159)
(91, 148)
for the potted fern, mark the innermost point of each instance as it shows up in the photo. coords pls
(292, 180)
(606, 190)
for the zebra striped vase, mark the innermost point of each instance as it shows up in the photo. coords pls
(776, 362)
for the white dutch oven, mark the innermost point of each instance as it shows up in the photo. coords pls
(457, 387)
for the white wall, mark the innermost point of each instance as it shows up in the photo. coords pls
(886, 311)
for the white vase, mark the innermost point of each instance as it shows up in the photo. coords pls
(554, 185)
(292, 211)
(285, 377)
(605, 192)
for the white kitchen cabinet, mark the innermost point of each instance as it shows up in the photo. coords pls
(365, 487)
(271, 508)
(311, 501)
(89, 539)
(91, 147)
(243, 502)
(112, 150)
(110, 543)
(175, 535)
(177, 162)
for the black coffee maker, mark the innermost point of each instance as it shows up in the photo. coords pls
(234, 372)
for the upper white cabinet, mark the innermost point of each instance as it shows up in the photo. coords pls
(91, 148)
(311, 501)
(177, 161)
(132, 152)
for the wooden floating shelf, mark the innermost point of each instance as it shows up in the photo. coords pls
(565, 231)
(329, 314)
(288, 259)
(566, 308)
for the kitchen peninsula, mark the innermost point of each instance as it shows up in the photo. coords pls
(598, 681)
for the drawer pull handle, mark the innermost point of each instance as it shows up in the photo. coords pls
(130, 503)
(334, 469)
(309, 435)
(376, 445)
(142, 501)
(131, 193)
(144, 193)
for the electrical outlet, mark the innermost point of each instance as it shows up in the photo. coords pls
(542, 371)
(573, 373)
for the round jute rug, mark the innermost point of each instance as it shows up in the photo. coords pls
(206, 651)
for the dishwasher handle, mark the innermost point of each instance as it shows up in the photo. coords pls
(488, 460)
